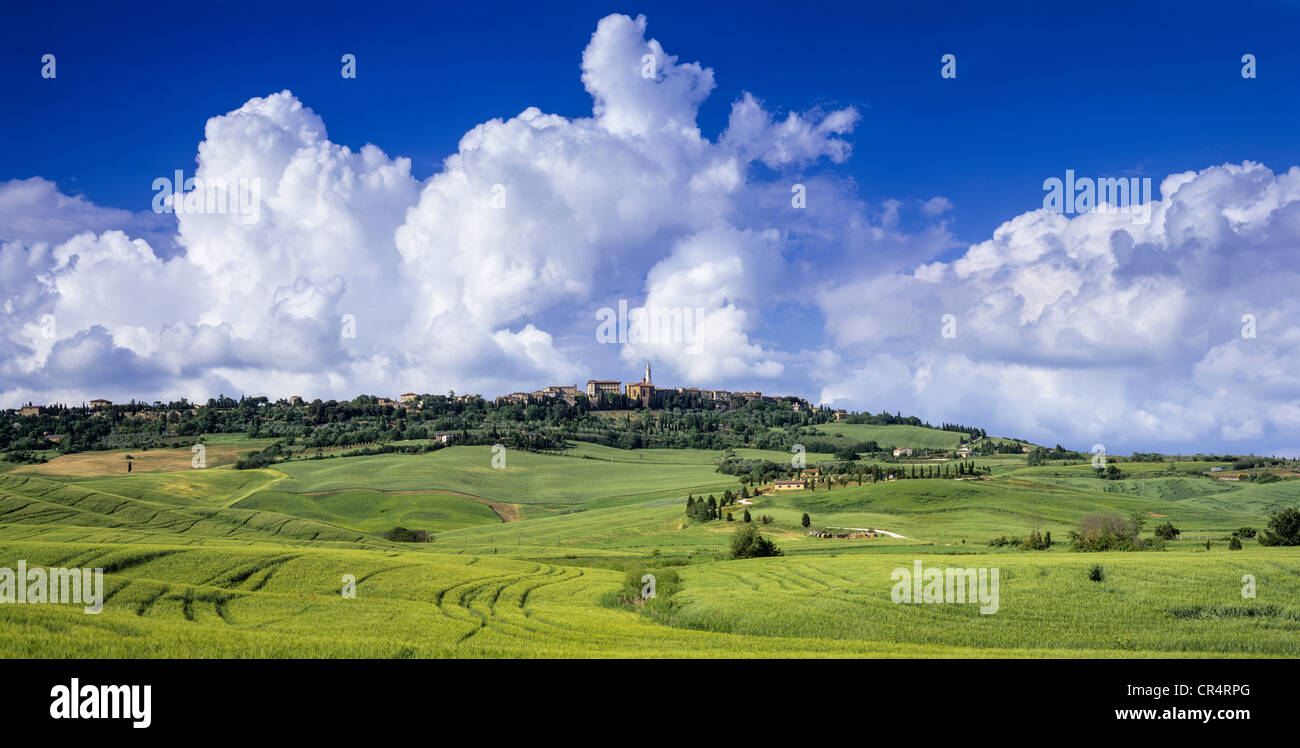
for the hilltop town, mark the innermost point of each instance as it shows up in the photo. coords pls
(646, 394)
(602, 394)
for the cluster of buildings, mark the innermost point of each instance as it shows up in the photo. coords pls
(35, 410)
(642, 392)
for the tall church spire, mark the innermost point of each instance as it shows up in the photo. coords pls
(647, 373)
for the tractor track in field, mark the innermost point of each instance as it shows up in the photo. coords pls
(812, 580)
(465, 603)
(145, 605)
(830, 574)
(236, 575)
(187, 604)
(467, 600)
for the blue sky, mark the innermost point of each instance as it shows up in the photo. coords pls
(1106, 88)
(838, 304)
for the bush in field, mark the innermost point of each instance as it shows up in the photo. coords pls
(1234, 543)
(665, 584)
(1105, 531)
(748, 543)
(1110, 473)
(1283, 528)
(1096, 573)
(1246, 532)
(806, 521)
(1034, 543)
(400, 535)
(1167, 531)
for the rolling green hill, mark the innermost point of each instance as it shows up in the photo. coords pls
(374, 511)
(527, 478)
(888, 437)
(227, 563)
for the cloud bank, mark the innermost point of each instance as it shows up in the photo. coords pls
(486, 276)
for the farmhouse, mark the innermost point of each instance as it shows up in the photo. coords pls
(789, 485)
(295, 399)
(840, 415)
(30, 410)
(903, 451)
(409, 397)
(445, 438)
(964, 452)
(100, 403)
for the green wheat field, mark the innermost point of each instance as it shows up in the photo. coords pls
(542, 558)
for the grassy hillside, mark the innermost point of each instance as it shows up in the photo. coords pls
(887, 437)
(264, 601)
(1148, 604)
(218, 450)
(527, 478)
(374, 512)
(34, 507)
(227, 563)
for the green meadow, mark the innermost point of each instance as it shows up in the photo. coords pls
(888, 437)
(534, 559)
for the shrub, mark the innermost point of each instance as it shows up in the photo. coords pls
(666, 584)
(1096, 573)
(400, 535)
(1234, 543)
(1283, 528)
(1034, 543)
(1246, 532)
(1167, 531)
(1105, 531)
(806, 521)
(748, 543)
